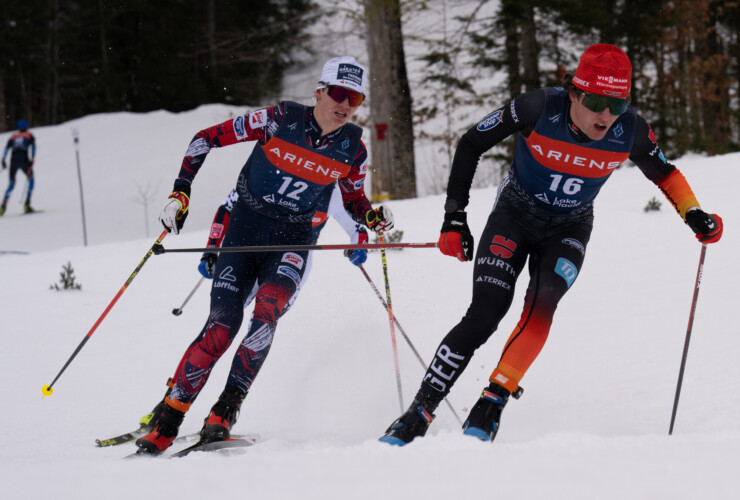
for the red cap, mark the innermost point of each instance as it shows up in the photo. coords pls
(604, 69)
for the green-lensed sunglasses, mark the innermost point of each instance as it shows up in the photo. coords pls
(597, 103)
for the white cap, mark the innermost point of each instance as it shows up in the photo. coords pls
(344, 71)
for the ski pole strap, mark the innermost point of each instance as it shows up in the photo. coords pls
(159, 249)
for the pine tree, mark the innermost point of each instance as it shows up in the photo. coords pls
(66, 279)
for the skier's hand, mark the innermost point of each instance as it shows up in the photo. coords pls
(708, 228)
(358, 256)
(207, 265)
(380, 219)
(5, 165)
(175, 211)
(455, 239)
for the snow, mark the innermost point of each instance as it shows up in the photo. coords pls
(593, 421)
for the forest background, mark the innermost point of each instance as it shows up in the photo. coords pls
(63, 60)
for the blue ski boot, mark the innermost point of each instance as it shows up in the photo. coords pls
(484, 419)
(412, 424)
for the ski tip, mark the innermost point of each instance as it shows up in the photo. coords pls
(391, 440)
(47, 391)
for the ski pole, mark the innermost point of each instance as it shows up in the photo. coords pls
(688, 336)
(159, 249)
(178, 311)
(76, 137)
(47, 389)
(403, 334)
(390, 319)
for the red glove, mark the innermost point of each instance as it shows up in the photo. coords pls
(708, 228)
(455, 239)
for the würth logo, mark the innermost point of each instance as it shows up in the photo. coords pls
(502, 247)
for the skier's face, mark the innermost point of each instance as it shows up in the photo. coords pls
(331, 114)
(594, 125)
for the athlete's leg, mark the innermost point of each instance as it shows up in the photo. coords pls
(280, 277)
(31, 184)
(11, 185)
(501, 255)
(554, 267)
(234, 277)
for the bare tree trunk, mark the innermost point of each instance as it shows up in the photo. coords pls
(512, 59)
(109, 104)
(211, 39)
(392, 140)
(3, 108)
(530, 49)
(50, 88)
(715, 86)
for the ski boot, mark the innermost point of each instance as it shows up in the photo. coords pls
(217, 425)
(27, 207)
(149, 421)
(412, 424)
(163, 434)
(2, 208)
(484, 419)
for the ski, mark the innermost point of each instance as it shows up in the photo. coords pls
(223, 444)
(123, 438)
(134, 435)
(34, 211)
(238, 441)
(145, 425)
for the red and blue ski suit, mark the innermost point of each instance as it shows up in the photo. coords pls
(290, 173)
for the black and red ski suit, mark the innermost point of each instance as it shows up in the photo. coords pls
(543, 212)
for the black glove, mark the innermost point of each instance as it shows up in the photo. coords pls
(455, 239)
(380, 219)
(5, 165)
(207, 265)
(707, 227)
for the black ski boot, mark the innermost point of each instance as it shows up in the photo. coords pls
(149, 421)
(412, 424)
(163, 434)
(27, 208)
(217, 425)
(484, 419)
(3, 207)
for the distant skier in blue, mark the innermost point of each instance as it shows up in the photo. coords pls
(20, 145)
(302, 152)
